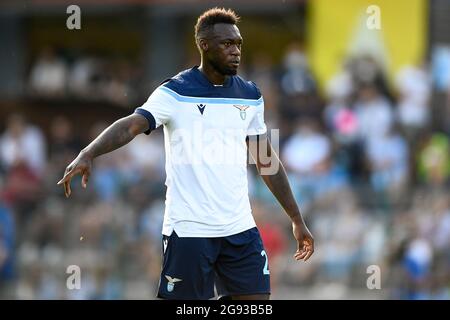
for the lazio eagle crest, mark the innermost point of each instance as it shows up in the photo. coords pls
(171, 283)
(242, 109)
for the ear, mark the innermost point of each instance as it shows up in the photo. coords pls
(203, 44)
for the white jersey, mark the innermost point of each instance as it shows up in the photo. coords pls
(205, 130)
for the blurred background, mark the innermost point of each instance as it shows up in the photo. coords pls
(364, 120)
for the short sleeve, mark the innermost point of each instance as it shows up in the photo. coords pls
(157, 109)
(257, 125)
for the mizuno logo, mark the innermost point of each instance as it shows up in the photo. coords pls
(201, 107)
(171, 283)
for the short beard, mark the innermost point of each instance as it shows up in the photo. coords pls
(223, 70)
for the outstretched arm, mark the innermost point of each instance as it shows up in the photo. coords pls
(116, 135)
(276, 180)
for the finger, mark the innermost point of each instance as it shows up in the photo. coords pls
(66, 175)
(66, 183)
(300, 251)
(67, 178)
(310, 252)
(67, 190)
(64, 178)
(85, 179)
(300, 255)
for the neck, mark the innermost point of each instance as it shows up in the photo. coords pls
(212, 74)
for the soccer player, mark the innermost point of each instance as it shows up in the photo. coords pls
(211, 118)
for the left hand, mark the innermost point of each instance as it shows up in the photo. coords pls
(305, 241)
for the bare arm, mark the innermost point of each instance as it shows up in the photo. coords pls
(276, 180)
(115, 136)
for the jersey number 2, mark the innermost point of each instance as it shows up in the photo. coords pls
(266, 264)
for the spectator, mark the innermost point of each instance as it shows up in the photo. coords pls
(49, 74)
(22, 143)
(297, 78)
(82, 76)
(374, 113)
(434, 160)
(414, 88)
(388, 161)
(307, 155)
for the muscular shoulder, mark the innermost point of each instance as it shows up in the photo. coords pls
(248, 88)
(181, 83)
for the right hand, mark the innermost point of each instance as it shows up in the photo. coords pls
(82, 165)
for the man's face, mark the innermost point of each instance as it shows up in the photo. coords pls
(224, 48)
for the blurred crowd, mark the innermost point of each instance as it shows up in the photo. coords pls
(369, 168)
(85, 76)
